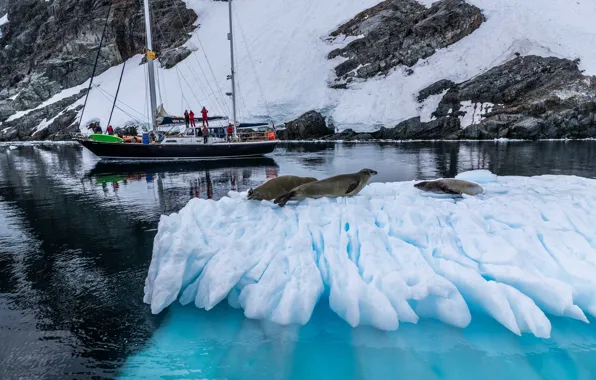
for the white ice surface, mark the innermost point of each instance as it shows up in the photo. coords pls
(288, 50)
(524, 249)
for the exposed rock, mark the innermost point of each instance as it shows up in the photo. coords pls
(531, 98)
(50, 46)
(171, 57)
(310, 125)
(401, 32)
(435, 89)
(414, 129)
(63, 122)
(6, 109)
(345, 135)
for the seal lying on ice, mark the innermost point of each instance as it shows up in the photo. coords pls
(338, 186)
(450, 186)
(277, 186)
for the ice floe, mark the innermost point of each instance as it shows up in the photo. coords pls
(522, 250)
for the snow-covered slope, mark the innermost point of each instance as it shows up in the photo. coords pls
(3, 20)
(288, 46)
(522, 250)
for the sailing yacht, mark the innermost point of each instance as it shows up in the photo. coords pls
(253, 142)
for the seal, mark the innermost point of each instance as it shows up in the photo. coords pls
(277, 186)
(450, 186)
(343, 185)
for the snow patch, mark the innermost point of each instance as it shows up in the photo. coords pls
(3, 20)
(429, 106)
(56, 98)
(523, 249)
(475, 112)
(45, 123)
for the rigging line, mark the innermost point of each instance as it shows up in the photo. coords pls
(189, 86)
(242, 102)
(307, 14)
(202, 88)
(105, 25)
(193, 73)
(117, 90)
(158, 84)
(182, 92)
(213, 93)
(123, 111)
(217, 98)
(207, 59)
(119, 101)
(253, 66)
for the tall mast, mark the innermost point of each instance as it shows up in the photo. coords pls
(233, 76)
(150, 57)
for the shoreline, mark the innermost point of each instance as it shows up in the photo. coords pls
(500, 140)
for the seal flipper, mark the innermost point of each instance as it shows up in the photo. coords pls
(283, 199)
(352, 187)
(445, 189)
(250, 194)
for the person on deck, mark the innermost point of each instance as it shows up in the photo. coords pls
(98, 129)
(205, 135)
(110, 130)
(186, 118)
(204, 114)
(191, 115)
(230, 132)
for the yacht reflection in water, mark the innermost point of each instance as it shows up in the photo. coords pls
(208, 180)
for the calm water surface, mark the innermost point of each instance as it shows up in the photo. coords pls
(75, 243)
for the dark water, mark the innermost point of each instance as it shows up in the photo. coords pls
(76, 235)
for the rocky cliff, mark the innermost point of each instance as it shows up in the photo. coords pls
(526, 98)
(401, 32)
(48, 46)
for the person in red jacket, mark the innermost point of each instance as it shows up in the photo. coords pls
(204, 114)
(191, 116)
(110, 130)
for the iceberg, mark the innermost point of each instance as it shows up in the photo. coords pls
(522, 250)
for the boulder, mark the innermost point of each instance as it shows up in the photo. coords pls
(171, 57)
(310, 125)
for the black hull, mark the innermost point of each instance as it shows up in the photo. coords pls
(145, 152)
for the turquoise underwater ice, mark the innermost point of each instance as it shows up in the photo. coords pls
(223, 344)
